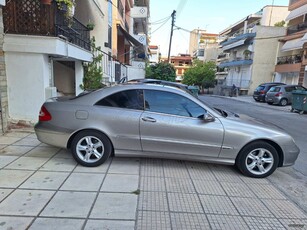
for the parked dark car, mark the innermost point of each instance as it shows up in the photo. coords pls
(262, 89)
(282, 94)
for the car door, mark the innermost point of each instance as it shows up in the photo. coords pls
(171, 123)
(118, 115)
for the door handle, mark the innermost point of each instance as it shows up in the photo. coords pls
(148, 119)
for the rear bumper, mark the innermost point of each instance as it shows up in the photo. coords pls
(50, 137)
(274, 100)
(259, 97)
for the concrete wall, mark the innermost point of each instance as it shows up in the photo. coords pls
(271, 15)
(3, 80)
(265, 54)
(28, 76)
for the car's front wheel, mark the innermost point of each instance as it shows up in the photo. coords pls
(258, 159)
(283, 102)
(91, 148)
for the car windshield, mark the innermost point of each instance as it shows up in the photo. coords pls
(275, 89)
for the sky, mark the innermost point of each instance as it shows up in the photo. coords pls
(211, 15)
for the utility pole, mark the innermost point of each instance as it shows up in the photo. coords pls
(170, 41)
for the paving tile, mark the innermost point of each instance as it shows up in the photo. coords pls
(25, 202)
(153, 201)
(200, 171)
(83, 182)
(237, 189)
(5, 160)
(57, 223)
(64, 153)
(184, 203)
(218, 205)
(209, 187)
(298, 224)
(27, 163)
(225, 222)
(284, 209)
(4, 193)
(175, 169)
(13, 223)
(32, 135)
(42, 152)
(2, 146)
(249, 180)
(98, 169)
(152, 184)
(188, 221)
(153, 221)
(4, 140)
(256, 223)
(27, 142)
(115, 206)
(266, 191)
(15, 150)
(152, 168)
(179, 185)
(17, 134)
(120, 183)
(45, 180)
(13, 178)
(125, 166)
(109, 225)
(251, 207)
(225, 173)
(69, 204)
(60, 164)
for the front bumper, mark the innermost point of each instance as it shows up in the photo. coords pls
(291, 153)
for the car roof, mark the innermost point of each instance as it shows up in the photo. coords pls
(157, 81)
(272, 83)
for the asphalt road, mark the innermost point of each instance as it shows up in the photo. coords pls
(291, 180)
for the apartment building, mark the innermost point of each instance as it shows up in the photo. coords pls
(154, 55)
(249, 49)
(181, 63)
(292, 56)
(203, 45)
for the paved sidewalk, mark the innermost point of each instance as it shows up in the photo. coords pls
(42, 187)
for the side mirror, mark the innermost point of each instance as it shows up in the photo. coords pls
(207, 117)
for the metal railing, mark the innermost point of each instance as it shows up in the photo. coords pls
(292, 59)
(43, 20)
(296, 28)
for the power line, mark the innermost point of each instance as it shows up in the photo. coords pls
(161, 26)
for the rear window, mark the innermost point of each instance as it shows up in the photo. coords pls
(275, 89)
(260, 87)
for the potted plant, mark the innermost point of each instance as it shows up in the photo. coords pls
(90, 26)
(247, 54)
(69, 7)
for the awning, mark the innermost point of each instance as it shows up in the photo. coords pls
(294, 44)
(235, 44)
(297, 12)
(135, 43)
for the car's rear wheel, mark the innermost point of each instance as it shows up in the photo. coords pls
(270, 103)
(91, 148)
(283, 102)
(258, 159)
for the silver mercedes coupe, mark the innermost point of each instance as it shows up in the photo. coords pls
(149, 120)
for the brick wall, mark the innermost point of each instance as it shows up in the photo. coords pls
(3, 82)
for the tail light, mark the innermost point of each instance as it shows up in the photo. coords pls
(262, 92)
(44, 115)
(278, 94)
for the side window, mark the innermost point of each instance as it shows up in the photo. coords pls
(171, 103)
(289, 89)
(129, 99)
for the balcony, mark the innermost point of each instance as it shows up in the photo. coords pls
(236, 62)
(288, 63)
(33, 18)
(296, 28)
(292, 59)
(238, 38)
(139, 12)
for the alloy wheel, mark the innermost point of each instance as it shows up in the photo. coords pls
(259, 161)
(90, 149)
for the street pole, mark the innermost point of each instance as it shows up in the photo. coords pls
(170, 41)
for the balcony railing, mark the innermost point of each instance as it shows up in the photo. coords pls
(30, 17)
(293, 59)
(296, 28)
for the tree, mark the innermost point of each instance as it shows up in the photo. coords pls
(93, 70)
(161, 71)
(201, 74)
(280, 24)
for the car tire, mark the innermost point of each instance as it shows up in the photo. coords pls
(283, 102)
(256, 99)
(270, 103)
(91, 148)
(258, 159)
